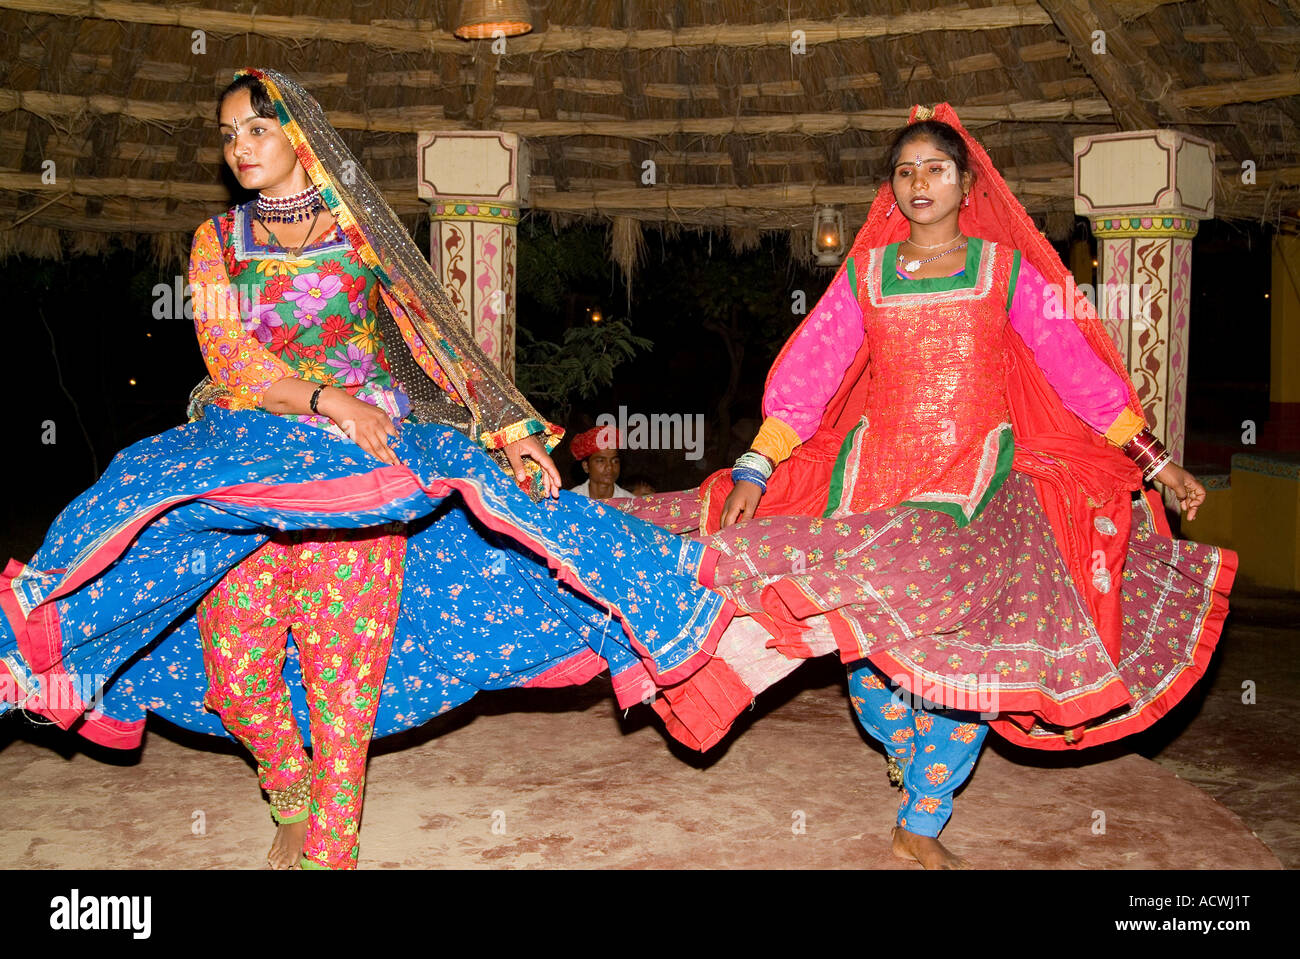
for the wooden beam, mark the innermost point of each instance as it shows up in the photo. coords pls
(412, 119)
(1022, 78)
(421, 37)
(544, 94)
(1186, 61)
(138, 207)
(485, 80)
(39, 128)
(773, 197)
(456, 83)
(1122, 87)
(1259, 59)
(885, 69)
(358, 77)
(1254, 90)
(400, 195)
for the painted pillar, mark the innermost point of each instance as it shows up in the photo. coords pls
(475, 182)
(1144, 192)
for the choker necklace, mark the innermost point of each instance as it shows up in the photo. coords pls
(936, 246)
(294, 208)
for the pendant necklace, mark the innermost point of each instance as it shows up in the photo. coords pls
(911, 266)
(274, 240)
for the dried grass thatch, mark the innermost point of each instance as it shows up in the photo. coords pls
(746, 134)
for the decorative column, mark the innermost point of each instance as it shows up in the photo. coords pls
(475, 182)
(1144, 192)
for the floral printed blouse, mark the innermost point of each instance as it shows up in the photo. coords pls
(312, 317)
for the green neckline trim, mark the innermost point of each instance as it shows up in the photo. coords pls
(891, 284)
(853, 276)
(1015, 274)
(836, 492)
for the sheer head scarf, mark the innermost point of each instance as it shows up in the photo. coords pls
(500, 414)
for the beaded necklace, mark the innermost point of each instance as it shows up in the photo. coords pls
(294, 208)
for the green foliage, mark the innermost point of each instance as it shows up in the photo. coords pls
(553, 374)
(551, 265)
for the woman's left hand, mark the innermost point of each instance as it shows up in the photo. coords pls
(1186, 487)
(532, 447)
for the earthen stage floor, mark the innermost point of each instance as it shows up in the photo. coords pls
(562, 779)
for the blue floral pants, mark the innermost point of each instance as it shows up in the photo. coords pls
(935, 750)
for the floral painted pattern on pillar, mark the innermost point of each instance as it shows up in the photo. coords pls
(475, 182)
(1145, 191)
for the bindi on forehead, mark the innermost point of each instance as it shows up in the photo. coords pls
(234, 122)
(918, 160)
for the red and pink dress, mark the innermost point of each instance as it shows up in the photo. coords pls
(928, 516)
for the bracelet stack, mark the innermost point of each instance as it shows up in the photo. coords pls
(1148, 453)
(753, 467)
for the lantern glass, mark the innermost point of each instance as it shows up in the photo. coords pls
(828, 236)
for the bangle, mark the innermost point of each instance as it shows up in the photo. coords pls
(1150, 473)
(1147, 452)
(745, 474)
(314, 397)
(757, 462)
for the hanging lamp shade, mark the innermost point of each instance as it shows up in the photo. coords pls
(480, 19)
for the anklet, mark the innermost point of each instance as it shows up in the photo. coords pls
(895, 771)
(285, 801)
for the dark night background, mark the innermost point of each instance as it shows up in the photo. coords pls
(82, 329)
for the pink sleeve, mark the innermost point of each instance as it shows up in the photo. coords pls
(811, 366)
(1086, 385)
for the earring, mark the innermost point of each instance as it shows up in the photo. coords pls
(891, 209)
(966, 202)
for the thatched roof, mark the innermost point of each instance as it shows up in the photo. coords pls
(746, 135)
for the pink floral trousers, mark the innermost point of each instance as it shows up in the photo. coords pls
(340, 592)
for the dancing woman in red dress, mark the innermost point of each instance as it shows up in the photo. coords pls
(945, 490)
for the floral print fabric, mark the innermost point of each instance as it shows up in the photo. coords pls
(339, 592)
(984, 617)
(499, 591)
(935, 750)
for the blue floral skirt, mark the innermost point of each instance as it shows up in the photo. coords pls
(99, 627)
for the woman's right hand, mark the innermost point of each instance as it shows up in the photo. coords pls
(367, 426)
(741, 503)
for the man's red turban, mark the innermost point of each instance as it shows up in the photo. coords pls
(597, 438)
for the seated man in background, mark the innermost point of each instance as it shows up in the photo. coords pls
(597, 451)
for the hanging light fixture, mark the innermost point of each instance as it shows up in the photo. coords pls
(828, 236)
(480, 19)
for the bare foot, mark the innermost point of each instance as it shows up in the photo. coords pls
(926, 850)
(286, 849)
